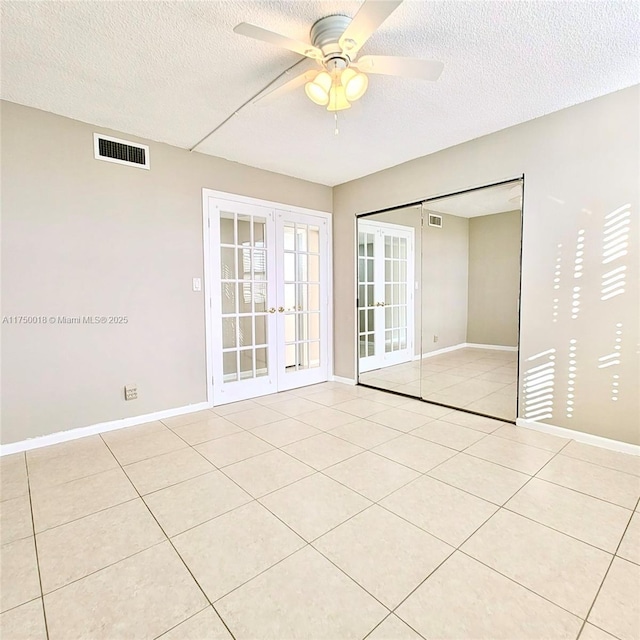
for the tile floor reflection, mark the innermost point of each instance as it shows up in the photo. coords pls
(480, 380)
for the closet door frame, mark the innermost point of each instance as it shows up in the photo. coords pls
(212, 198)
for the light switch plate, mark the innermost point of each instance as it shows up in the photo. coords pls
(197, 284)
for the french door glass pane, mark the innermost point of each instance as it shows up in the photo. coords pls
(228, 263)
(301, 296)
(227, 228)
(246, 364)
(261, 362)
(395, 270)
(246, 298)
(230, 366)
(243, 256)
(260, 297)
(228, 297)
(246, 331)
(366, 299)
(261, 330)
(314, 297)
(228, 333)
(314, 239)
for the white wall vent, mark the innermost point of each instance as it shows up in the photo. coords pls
(435, 221)
(120, 151)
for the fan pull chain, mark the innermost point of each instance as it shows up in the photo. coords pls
(336, 131)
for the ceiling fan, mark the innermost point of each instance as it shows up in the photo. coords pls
(338, 76)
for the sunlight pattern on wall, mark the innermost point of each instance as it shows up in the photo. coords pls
(616, 234)
(556, 281)
(613, 283)
(539, 381)
(577, 269)
(577, 273)
(571, 381)
(613, 360)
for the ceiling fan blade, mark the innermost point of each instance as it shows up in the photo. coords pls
(403, 67)
(271, 96)
(258, 33)
(369, 17)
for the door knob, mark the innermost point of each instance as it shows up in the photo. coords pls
(380, 304)
(272, 310)
(281, 309)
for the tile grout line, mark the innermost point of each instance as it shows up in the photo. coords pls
(185, 620)
(309, 544)
(529, 589)
(328, 432)
(88, 515)
(35, 546)
(531, 476)
(500, 506)
(613, 557)
(334, 527)
(459, 549)
(256, 500)
(392, 615)
(106, 566)
(562, 533)
(176, 551)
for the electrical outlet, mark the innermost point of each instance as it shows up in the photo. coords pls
(130, 392)
(435, 338)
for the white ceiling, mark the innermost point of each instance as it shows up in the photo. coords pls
(172, 71)
(481, 202)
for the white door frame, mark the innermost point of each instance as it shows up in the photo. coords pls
(208, 275)
(411, 282)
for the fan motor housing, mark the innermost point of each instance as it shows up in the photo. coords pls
(325, 34)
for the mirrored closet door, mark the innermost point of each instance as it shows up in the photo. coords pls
(471, 244)
(462, 299)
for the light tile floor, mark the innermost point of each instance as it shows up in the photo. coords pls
(330, 513)
(481, 380)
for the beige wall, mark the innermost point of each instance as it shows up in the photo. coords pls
(580, 165)
(84, 237)
(494, 279)
(445, 281)
(88, 237)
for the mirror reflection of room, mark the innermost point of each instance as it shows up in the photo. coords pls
(471, 291)
(466, 297)
(388, 300)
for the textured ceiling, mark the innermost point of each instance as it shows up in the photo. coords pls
(172, 71)
(480, 202)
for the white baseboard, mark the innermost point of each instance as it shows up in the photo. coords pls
(430, 354)
(464, 345)
(102, 427)
(494, 347)
(350, 381)
(581, 436)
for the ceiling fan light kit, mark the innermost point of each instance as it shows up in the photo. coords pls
(338, 89)
(335, 43)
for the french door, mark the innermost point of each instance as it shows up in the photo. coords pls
(385, 294)
(269, 299)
